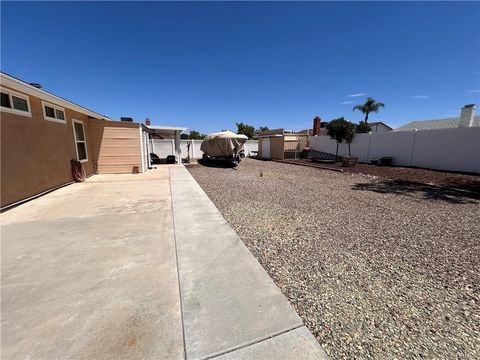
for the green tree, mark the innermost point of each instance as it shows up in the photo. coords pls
(341, 129)
(195, 135)
(245, 129)
(369, 106)
(260, 129)
(363, 127)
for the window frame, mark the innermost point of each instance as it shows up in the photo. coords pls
(12, 110)
(80, 141)
(54, 107)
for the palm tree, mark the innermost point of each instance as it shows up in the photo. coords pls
(371, 105)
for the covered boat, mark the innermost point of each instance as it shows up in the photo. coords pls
(224, 145)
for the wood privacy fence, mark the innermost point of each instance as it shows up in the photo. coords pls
(163, 148)
(456, 149)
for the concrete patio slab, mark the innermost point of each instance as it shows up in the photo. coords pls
(92, 271)
(90, 287)
(228, 300)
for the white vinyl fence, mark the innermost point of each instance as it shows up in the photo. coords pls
(163, 148)
(455, 149)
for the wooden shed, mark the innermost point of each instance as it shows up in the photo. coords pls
(279, 144)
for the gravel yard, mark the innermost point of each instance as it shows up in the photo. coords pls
(441, 178)
(376, 268)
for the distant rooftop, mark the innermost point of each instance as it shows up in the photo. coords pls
(435, 124)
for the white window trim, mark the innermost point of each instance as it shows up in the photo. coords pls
(15, 111)
(76, 141)
(56, 108)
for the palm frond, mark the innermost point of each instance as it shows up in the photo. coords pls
(360, 107)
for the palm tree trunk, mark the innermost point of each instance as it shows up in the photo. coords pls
(336, 153)
(349, 154)
(366, 117)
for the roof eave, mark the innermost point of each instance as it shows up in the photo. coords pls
(22, 86)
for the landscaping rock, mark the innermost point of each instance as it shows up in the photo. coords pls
(376, 268)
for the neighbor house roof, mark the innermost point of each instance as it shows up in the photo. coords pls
(24, 87)
(378, 123)
(435, 124)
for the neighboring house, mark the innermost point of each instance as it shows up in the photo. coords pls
(466, 119)
(379, 126)
(41, 133)
(279, 144)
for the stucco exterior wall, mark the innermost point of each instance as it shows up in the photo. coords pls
(36, 153)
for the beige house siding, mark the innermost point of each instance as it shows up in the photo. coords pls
(36, 153)
(115, 146)
(276, 148)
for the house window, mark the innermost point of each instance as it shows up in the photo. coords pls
(53, 113)
(15, 103)
(80, 142)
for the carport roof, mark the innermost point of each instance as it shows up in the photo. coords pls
(170, 130)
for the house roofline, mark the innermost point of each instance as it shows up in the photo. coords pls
(22, 86)
(380, 122)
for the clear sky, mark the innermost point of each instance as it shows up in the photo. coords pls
(208, 65)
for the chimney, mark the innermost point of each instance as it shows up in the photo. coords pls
(316, 126)
(466, 116)
(147, 121)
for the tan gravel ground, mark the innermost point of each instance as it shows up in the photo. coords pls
(376, 269)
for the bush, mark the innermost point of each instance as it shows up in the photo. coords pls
(363, 127)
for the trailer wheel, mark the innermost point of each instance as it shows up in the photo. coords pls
(205, 157)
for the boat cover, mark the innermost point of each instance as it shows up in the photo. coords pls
(225, 143)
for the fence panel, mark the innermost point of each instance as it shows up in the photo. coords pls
(397, 145)
(163, 148)
(448, 149)
(456, 149)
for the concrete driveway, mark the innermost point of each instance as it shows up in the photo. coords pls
(137, 267)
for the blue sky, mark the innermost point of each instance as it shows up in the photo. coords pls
(208, 65)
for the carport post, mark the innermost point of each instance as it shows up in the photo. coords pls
(177, 147)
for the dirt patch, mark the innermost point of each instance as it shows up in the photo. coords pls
(470, 182)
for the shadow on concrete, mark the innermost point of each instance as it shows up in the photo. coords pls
(420, 190)
(217, 163)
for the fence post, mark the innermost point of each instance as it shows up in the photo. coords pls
(410, 156)
(368, 147)
(193, 148)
